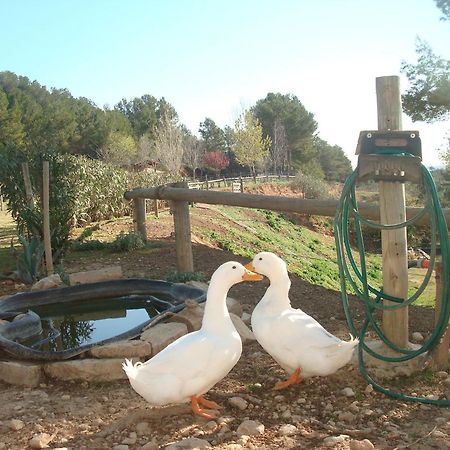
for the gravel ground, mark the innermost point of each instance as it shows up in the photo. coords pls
(339, 411)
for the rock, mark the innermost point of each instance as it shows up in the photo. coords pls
(15, 424)
(331, 441)
(142, 428)
(40, 440)
(287, 430)
(162, 334)
(189, 444)
(121, 447)
(348, 392)
(20, 373)
(250, 428)
(123, 349)
(417, 337)
(347, 417)
(50, 282)
(192, 315)
(243, 330)
(65, 397)
(151, 445)
(86, 369)
(365, 444)
(131, 439)
(442, 374)
(238, 402)
(246, 318)
(368, 389)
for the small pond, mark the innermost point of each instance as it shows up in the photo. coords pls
(58, 324)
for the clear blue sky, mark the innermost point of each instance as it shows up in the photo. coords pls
(212, 58)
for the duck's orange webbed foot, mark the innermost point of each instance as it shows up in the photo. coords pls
(208, 403)
(293, 379)
(206, 413)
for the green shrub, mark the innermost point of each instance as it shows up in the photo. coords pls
(311, 187)
(182, 277)
(126, 242)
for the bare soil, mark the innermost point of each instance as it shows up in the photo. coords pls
(105, 415)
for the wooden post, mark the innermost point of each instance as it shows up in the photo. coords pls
(182, 225)
(156, 208)
(393, 210)
(28, 188)
(46, 217)
(139, 217)
(241, 182)
(440, 353)
(1, 203)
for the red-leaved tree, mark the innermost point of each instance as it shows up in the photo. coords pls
(216, 161)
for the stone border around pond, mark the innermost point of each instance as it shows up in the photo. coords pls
(104, 363)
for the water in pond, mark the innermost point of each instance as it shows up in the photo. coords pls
(74, 324)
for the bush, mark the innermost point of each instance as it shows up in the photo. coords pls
(310, 187)
(127, 242)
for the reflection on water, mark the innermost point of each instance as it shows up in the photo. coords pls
(72, 325)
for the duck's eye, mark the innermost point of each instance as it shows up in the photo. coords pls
(260, 258)
(234, 267)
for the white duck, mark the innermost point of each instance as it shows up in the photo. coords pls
(187, 368)
(299, 344)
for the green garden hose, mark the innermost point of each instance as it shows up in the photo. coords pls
(355, 277)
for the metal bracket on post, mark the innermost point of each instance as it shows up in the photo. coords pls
(389, 156)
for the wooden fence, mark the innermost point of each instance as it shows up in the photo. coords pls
(180, 196)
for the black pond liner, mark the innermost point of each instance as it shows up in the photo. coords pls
(173, 297)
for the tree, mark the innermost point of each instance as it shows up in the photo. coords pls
(279, 150)
(212, 135)
(299, 125)
(120, 149)
(334, 163)
(169, 145)
(428, 96)
(11, 129)
(250, 147)
(142, 114)
(216, 160)
(192, 151)
(444, 6)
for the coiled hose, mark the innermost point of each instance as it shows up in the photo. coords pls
(356, 277)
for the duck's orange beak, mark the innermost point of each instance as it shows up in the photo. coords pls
(250, 266)
(251, 276)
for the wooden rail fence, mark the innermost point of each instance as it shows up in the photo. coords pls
(180, 196)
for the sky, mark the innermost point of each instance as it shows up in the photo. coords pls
(214, 58)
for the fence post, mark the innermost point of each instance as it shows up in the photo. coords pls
(440, 353)
(139, 217)
(182, 225)
(393, 210)
(156, 205)
(241, 182)
(46, 217)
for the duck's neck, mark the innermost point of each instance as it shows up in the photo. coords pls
(216, 316)
(277, 294)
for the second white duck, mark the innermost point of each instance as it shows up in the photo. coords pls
(299, 344)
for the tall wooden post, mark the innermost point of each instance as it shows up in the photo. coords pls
(139, 217)
(46, 217)
(440, 353)
(182, 225)
(393, 210)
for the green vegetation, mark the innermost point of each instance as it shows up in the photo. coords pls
(174, 276)
(310, 254)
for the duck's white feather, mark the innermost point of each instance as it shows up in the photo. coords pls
(292, 337)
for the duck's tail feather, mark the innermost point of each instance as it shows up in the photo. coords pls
(131, 369)
(353, 340)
